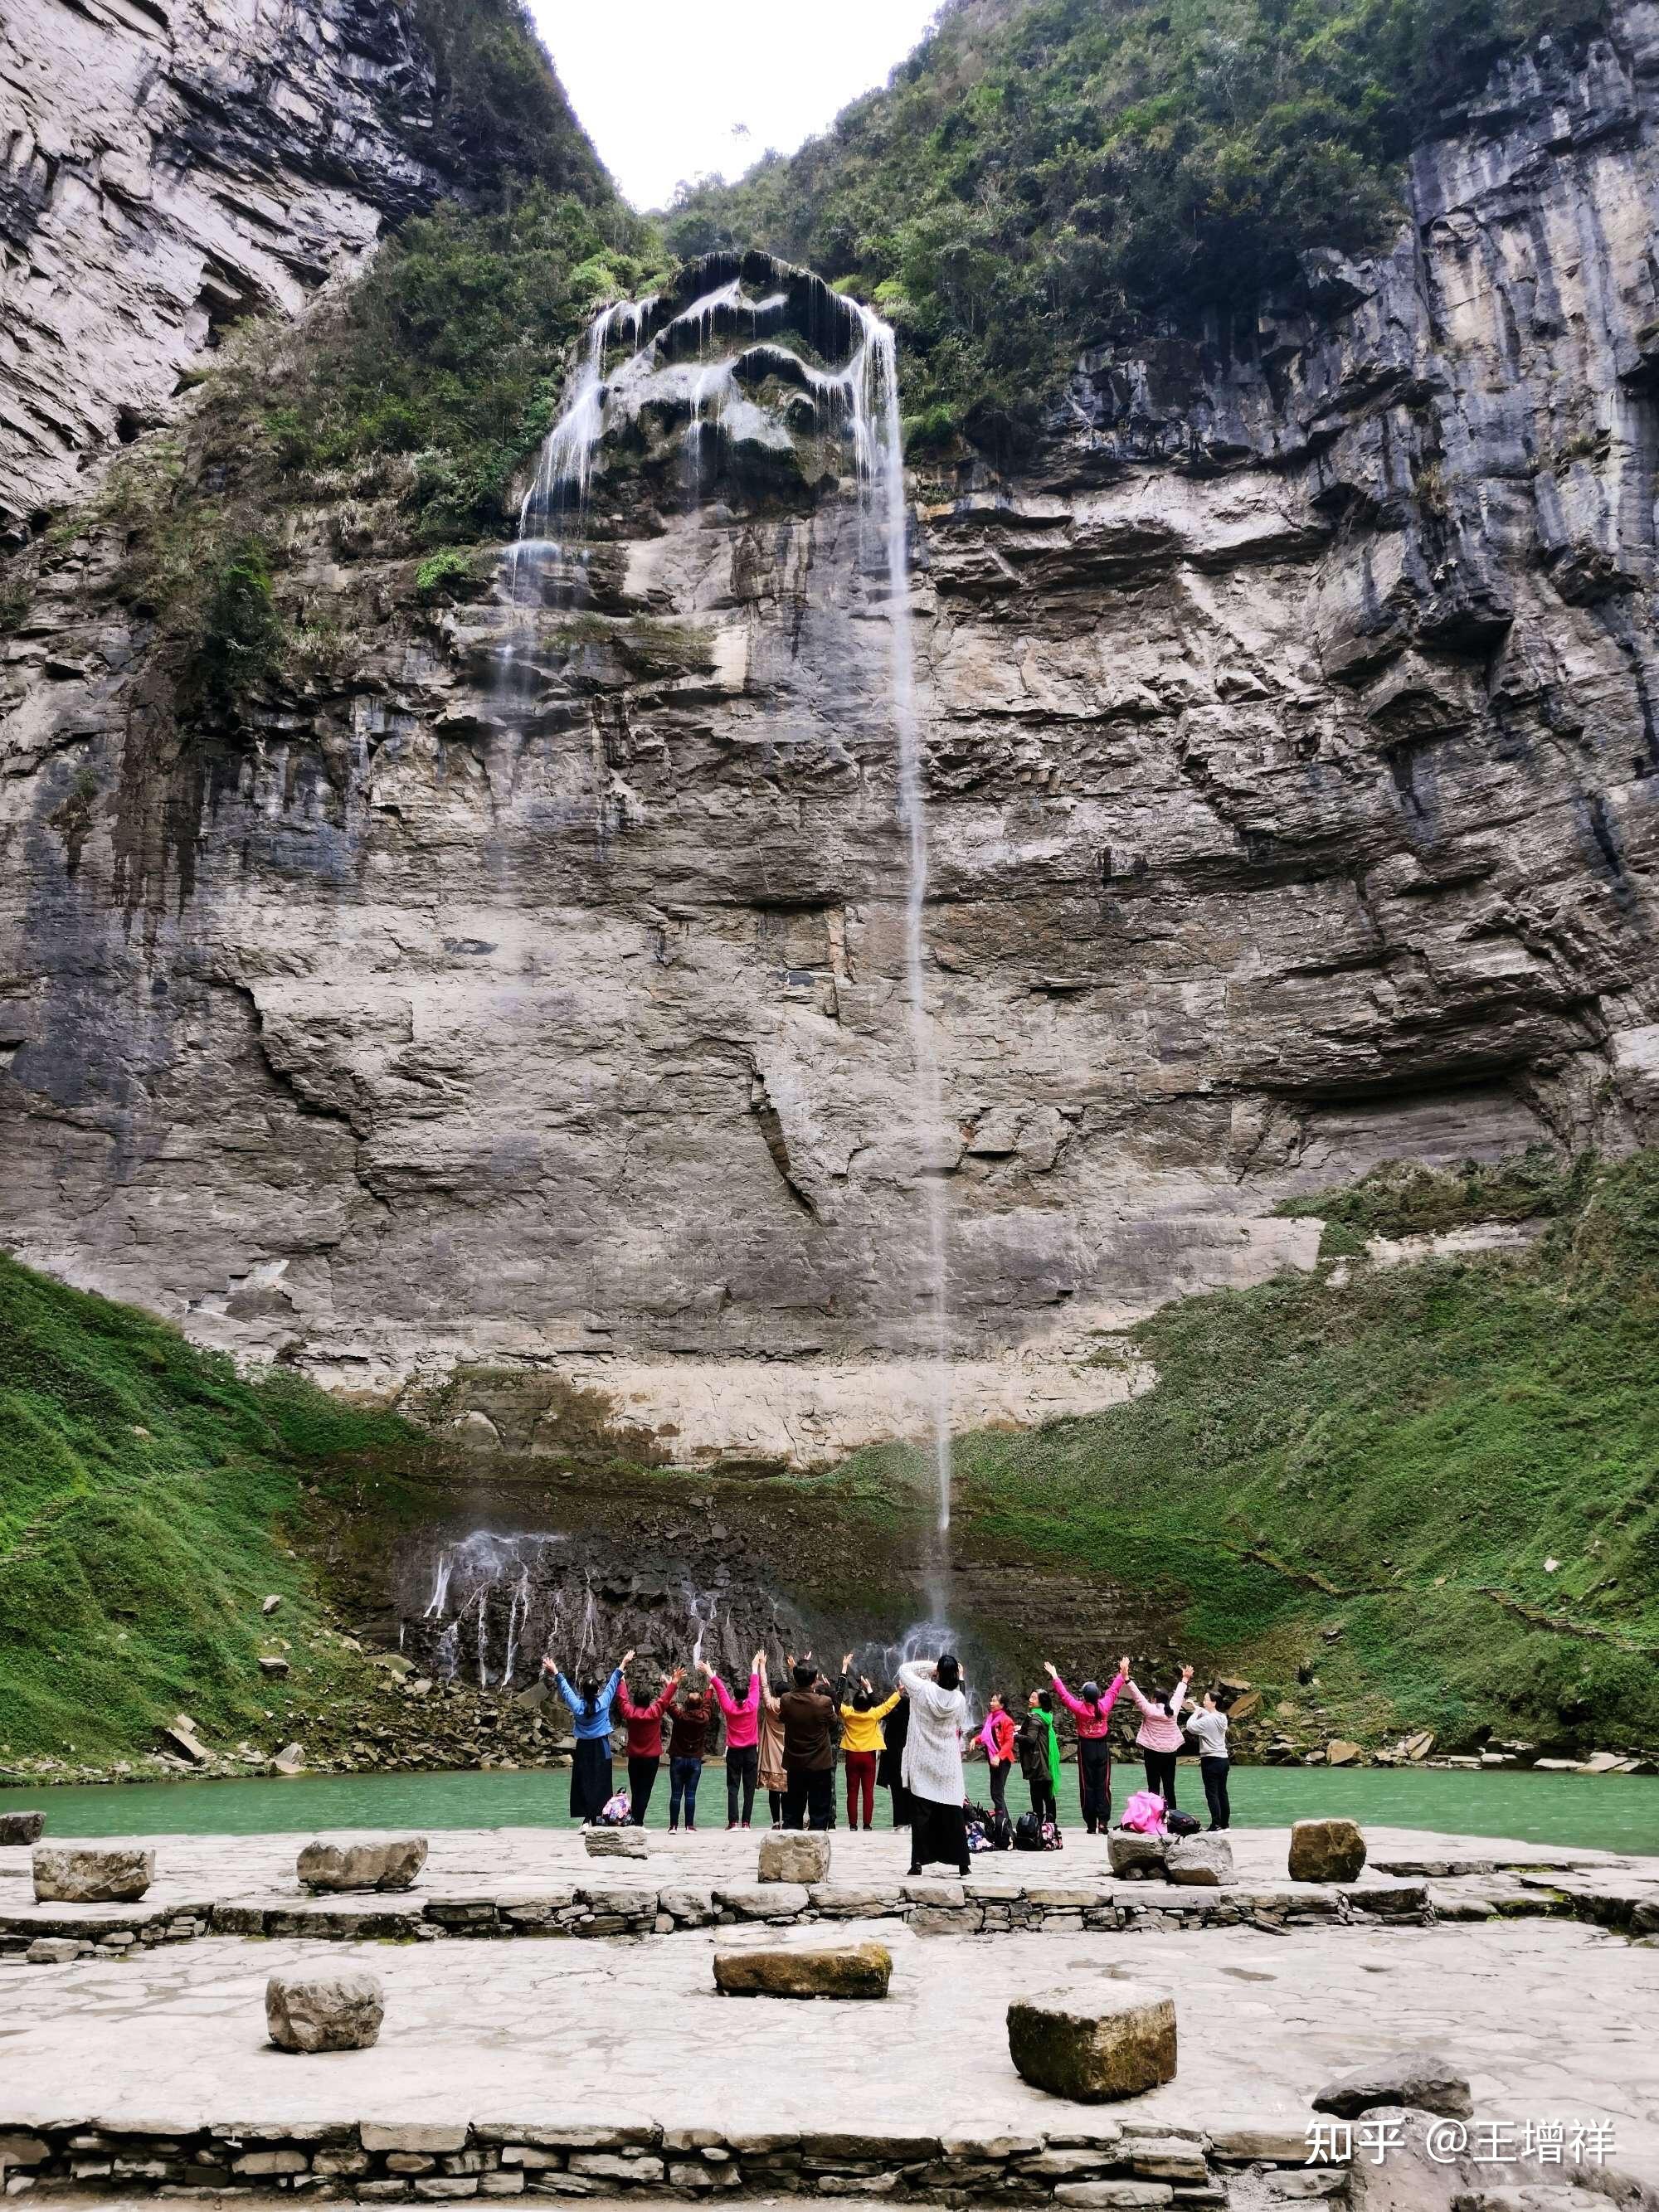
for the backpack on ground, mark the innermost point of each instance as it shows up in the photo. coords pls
(1000, 1831)
(1180, 1824)
(1028, 1833)
(617, 1812)
(1052, 1838)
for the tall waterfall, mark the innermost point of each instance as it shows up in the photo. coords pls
(691, 357)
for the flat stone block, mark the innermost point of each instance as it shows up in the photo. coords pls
(79, 1874)
(795, 1854)
(1199, 1862)
(1261, 2147)
(324, 2012)
(1167, 2158)
(1094, 2044)
(764, 1900)
(19, 1829)
(430, 2137)
(616, 1843)
(628, 1903)
(1135, 1857)
(846, 1970)
(392, 1865)
(1327, 1851)
(1118, 2195)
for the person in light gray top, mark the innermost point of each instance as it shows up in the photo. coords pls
(1209, 1724)
(933, 1761)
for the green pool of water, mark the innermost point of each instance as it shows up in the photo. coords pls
(1613, 1812)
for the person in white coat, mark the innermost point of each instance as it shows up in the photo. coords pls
(933, 1761)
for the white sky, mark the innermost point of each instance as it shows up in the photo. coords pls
(664, 88)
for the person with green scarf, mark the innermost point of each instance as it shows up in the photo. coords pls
(1039, 1755)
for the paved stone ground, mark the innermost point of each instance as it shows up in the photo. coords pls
(1549, 2020)
(486, 1862)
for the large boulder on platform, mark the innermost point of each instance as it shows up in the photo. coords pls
(795, 1854)
(838, 1970)
(338, 2011)
(1199, 1862)
(18, 1829)
(616, 1843)
(1136, 1857)
(393, 1864)
(1098, 2042)
(86, 1874)
(1327, 1851)
(1420, 2079)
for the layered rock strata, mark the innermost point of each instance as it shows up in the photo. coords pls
(535, 997)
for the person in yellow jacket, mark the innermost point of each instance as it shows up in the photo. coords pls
(862, 1744)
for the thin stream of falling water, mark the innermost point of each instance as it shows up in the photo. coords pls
(880, 445)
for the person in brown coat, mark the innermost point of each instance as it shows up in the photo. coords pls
(809, 1716)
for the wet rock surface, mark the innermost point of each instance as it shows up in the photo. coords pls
(1422, 2079)
(20, 1829)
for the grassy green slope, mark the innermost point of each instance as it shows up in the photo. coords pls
(148, 1500)
(1402, 1455)
(1032, 172)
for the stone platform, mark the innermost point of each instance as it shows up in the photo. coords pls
(134, 2072)
(539, 1881)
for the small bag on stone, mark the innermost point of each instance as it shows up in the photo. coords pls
(617, 1812)
(1180, 1824)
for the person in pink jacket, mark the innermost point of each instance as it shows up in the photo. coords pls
(1160, 1736)
(742, 1739)
(1092, 1711)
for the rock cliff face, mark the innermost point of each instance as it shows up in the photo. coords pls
(535, 996)
(167, 167)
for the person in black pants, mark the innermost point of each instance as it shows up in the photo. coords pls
(1209, 1725)
(808, 1712)
(890, 1768)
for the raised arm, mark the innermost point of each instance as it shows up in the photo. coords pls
(1113, 1688)
(915, 1675)
(1075, 1706)
(880, 1712)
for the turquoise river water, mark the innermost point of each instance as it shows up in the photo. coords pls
(1612, 1812)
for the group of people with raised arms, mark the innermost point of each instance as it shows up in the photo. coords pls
(785, 1732)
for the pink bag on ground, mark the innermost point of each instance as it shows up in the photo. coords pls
(1143, 1814)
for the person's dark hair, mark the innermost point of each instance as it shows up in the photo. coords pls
(1090, 1694)
(862, 1701)
(805, 1677)
(588, 1688)
(948, 1672)
(777, 1684)
(1046, 1699)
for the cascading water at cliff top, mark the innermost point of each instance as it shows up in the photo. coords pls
(692, 357)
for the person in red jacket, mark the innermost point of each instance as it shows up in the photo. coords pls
(997, 1737)
(644, 1743)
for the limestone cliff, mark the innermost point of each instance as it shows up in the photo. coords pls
(170, 166)
(1293, 774)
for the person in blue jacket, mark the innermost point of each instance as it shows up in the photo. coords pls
(590, 1702)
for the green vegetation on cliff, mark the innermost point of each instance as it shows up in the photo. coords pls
(150, 1500)
(1456, 1463)
(1034, 171)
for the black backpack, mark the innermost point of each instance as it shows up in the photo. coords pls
(1181, 1824)
(1028, 1833)
(999, 1830)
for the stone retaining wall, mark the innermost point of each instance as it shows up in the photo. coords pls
(1122, 2166)
(593, 1909)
